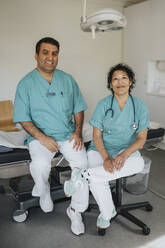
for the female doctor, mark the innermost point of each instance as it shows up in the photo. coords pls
(120, 124)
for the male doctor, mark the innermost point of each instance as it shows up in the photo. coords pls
(46, 100)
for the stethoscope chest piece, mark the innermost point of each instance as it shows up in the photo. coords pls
(134, 126)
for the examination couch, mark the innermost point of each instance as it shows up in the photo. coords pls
(14, 169)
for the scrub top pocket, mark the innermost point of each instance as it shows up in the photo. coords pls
(67, 102)
(107, 124)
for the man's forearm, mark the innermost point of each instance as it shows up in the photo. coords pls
(79, 119)
(32, 129)
(46, 141)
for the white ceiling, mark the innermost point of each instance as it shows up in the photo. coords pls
(121, 3)
(130, 2)
(126, 3)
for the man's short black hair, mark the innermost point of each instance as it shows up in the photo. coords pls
(125, 68)
(47, 40)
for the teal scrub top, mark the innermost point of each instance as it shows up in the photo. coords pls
(117, 132)
(49, 106)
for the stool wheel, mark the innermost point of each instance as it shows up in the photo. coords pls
(20, 215)
(149, 208)
(146, 230)
(101, 231)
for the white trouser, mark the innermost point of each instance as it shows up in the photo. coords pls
(41, 165)
(99, 179)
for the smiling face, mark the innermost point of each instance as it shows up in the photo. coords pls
(47, 59)
(120, 83)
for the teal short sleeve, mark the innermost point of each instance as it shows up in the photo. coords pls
(98, 116)
(79, 102)
(21, 104)
(143, 122)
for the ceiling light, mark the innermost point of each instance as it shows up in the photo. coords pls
(102, 20)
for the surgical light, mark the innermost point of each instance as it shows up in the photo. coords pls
(102, 20)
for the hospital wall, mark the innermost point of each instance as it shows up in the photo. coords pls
(144, 42)
(23, 23)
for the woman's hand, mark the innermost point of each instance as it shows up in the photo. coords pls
(109, 165)
(119, 160)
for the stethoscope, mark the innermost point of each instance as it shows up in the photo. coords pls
(134, 126)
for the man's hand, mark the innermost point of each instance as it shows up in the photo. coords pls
(109, 165)
(49, 143)
(34, 131)
(78, 141)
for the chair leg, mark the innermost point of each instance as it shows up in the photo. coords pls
(123, 209)
(132, 218)
(137, 205)
(136, 221)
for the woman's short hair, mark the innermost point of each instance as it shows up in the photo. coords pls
(121, 67)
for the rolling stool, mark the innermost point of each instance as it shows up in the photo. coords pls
(124, 209)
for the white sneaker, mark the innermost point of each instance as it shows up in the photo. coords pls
(46, 203)
(76, 181)
(34, 192)
(102, 223)
(114, 213)
(77, 226)
(105, 223)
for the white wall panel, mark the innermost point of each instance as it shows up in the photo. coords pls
(139, 47)
(23, 23)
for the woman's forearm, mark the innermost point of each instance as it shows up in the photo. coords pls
(138, 144)
(98, 141)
